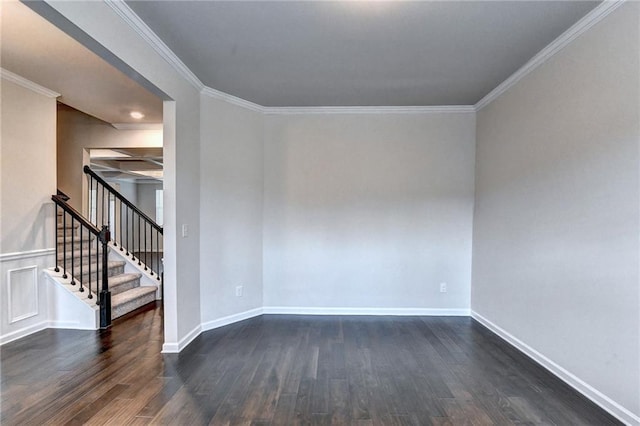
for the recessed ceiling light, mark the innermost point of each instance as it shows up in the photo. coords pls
(136, 114)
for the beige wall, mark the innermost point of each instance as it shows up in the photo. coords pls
(78, 132)
(27, 217)
(368, 211)
(555, 253)
(28, 169)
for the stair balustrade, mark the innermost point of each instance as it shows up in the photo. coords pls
(131, 229)
(79, 245)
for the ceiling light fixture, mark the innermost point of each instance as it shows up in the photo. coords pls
(136, 114)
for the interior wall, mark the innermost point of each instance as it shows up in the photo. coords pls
(555, 253)
(231, 200)
(27, 215)
(78, 132)
(368, 211)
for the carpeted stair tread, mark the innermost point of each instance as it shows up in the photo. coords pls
(124, 282)
(130, 300)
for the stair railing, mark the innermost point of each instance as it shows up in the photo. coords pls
(79, 247)
(131, 228)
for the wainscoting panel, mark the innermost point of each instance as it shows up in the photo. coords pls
(22, 288)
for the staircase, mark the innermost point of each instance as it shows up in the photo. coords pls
(126, 293)
(97, 277)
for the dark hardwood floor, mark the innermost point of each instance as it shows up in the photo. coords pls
(285, 370)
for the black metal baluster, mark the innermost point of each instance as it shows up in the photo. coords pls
(89, 260)
(90, 197)
(73, 246)
(64, 244)
(121, 249)
(108, 208)
(152, 256)
(127, 229)
(97, 270)
(81, 262)
(146, 260)
(159, 257)
(57, 268)
(139, 244)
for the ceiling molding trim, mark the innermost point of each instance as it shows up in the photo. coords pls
(441, 109)
(580, 27)
(137, 126)
(147, 34)
(216, 94)
(27, 84)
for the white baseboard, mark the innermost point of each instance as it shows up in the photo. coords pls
(230, 319)
(296, 310)
(174, 348)
(69, 325)
(572, 380)
(23, 332)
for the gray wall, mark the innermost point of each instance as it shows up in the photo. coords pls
(368, 210)
(231, 200)
(555, 252)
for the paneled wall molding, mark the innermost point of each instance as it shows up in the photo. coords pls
(566, 376)
(27, 84)
(19, 255)
(580, 27)
(26, 303)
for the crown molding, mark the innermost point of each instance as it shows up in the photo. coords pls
(372, 110)
(140, 27)
(27, 84)
(216, 94)
(579, 28)
(137, 126)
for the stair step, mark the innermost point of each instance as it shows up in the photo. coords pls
(84, 252)
(123, 282)
(114, 268)
(130, 300)
(76, 239)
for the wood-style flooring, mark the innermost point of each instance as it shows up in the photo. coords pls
(285, 370)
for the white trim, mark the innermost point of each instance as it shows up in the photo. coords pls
(174, 348)
(230, 319)
(27, 84)
(137, 126)
(19, 255)
(296, 310)
(438, 109)
(34, 270)
(147, 34)
(580, 27)
(572, 380)
(234, 100)
(23, 332)
(68, 325)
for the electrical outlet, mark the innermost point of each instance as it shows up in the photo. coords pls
(443, 287)
(239, 291)
(185, 230)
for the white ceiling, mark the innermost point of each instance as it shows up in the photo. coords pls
(357, 53)
(35, 49)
